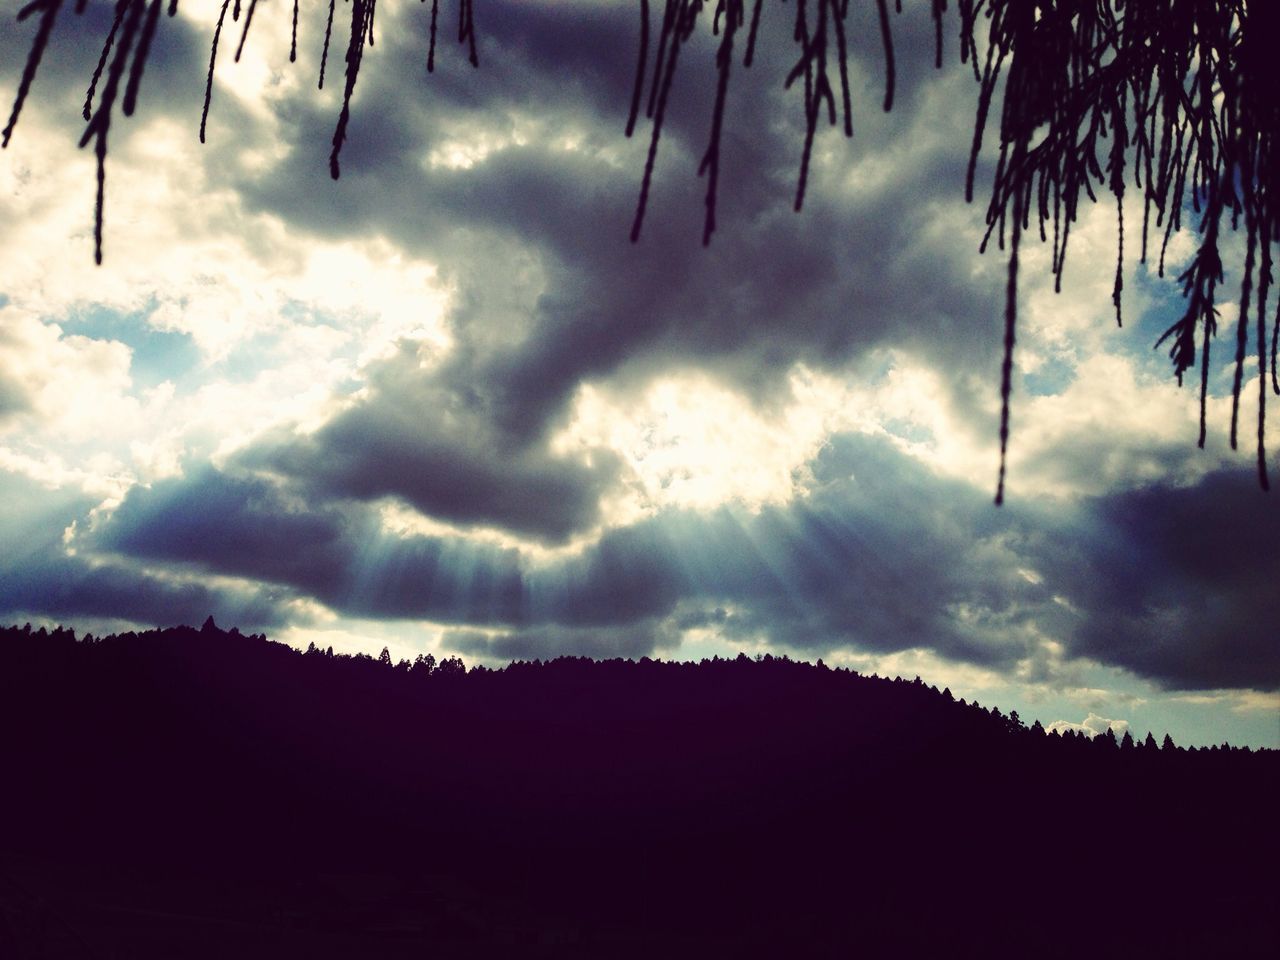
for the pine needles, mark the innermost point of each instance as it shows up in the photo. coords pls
(49, 15)
(816, 23)
(361, 32)
(1179, 92)
(1182, 87)
(1176, 97)
(128, 13)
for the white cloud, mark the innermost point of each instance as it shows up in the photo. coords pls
(965, 681)
(297, 318)
(693, 442)
(75, 388)
(1092, 726)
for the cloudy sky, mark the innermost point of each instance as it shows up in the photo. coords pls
(444, 404)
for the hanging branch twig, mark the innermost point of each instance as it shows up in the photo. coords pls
(1183, 91)
(641, 62)
(244, 33)
(328, 30)
(735, 15)
(49, 15)
(208, 83)
(361, 23)
(100, 124)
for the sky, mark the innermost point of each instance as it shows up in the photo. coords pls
(444, 405)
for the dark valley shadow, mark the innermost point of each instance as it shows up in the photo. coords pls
(201, 793)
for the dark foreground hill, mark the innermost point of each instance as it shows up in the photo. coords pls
(199, 793)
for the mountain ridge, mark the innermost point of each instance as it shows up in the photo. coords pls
(629, 802)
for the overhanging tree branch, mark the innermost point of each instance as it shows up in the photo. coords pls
(1181, 93)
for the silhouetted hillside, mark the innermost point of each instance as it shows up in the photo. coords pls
(202, 793)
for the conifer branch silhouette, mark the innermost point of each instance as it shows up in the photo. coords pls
(324, 54)
(361, 31)
(641, 62)
(100, 121)
(140, 60)
(49, 10)
(1183, 90)
(208, 84)
(431, 46)
(244, 33)
(102, 62)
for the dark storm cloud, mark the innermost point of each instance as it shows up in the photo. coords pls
(437, 449)
(242, 526)
(774, 289)
(67, 587)
(39, 577)
(883, 555)
(879, 557)
(1178, 584)
(247, 526)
